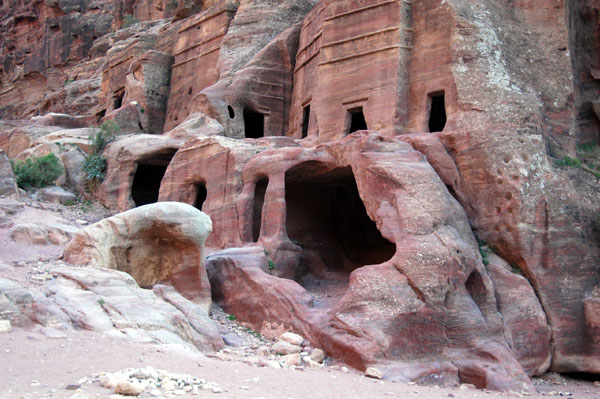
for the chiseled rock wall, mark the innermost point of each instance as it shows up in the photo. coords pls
(520, 87)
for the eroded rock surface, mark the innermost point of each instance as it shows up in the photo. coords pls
(408, 130)
(110, 301)
(157, 243)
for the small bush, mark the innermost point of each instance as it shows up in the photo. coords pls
(587, 148)
(231, 317)
(37, 171)
(568, 161)
(483, 251)
(95, 164)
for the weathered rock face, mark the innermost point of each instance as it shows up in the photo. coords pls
(525, 325)
(38, 38)
(499, 133)
(468, 106)
(110, 301)
(584, 35)
(366, 43)
(392, 310)
(197, 49)
(157, 243)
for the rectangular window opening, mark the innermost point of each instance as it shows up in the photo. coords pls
(254, 124)
(305, 120)
(356, 119)
(437, 111)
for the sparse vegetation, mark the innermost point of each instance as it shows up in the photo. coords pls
(516, 270)
(86, 206)
(129, 20)
(483, 251)
(100, 301)
(254, 333)
(37, 171)
(568, 161)
(231, 317)
(270, 263)
(95, 164)
(588, 159)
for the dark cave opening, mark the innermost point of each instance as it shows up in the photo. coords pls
(437, 111)
(201, 193)
(230, 112)
(148, 177)
(254, 124)
(305, 120)
(327, 218)
(259, 200)
(356, 120)
(588, 126)
(476, 288)
(118, 99)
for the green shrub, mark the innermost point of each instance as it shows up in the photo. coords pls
(483, 251)
(568, 161)
(37, 171)
(94, 165)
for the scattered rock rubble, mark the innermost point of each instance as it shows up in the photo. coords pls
(155, 382)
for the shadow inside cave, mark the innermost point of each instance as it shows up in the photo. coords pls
(326, 217)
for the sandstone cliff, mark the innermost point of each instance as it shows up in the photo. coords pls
(387, 178)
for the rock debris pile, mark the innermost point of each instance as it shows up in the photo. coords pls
(153, 381)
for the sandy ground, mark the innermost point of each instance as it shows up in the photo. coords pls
(33, 365)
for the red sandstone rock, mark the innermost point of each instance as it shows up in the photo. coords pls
(353, 60)
(197, 49)
(119, 190)
(525, 325)
(489, 92)
(428, 289)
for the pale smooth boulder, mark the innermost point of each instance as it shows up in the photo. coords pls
(155, 243)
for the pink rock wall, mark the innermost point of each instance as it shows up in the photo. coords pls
(197, 49)
(368, 44)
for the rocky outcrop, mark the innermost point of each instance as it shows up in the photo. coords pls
(503, 126)
(400, 299)
(525, 325)
(38, 39)
(157, 243)
(43, 234)
(135, 167)
(110, 301)
(412, 128)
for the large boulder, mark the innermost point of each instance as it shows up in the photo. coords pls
(160, 243)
